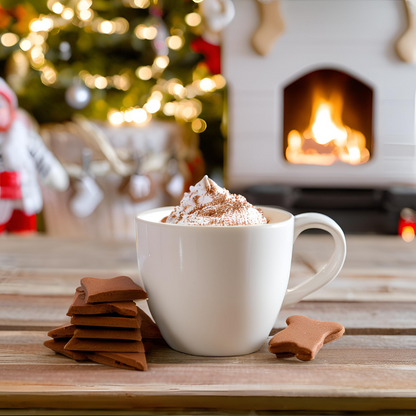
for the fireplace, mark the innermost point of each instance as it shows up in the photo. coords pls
(327, 119)
(331, 106)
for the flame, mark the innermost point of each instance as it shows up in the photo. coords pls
(327, 139)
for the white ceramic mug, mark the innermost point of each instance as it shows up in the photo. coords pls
(217, 291)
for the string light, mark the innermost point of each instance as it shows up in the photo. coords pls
(207, 84)
(115, 117)
(169, 109)
(44, 24)
(67, 14)
(174, 42)
(219, 81)
(162, 62)
(101, 82)
(199, 125)
(144, 72)
(57, 7)
(25, 44)
(152, 106)
(9, 39)
(198, 1)
(193, 19)
(408, 234)
(107, 27)
(144, 32)
(139, 115)
(84, 4)
(86, 15)
(48, 76)
(142, 4)
(122, 25)
(157, 95)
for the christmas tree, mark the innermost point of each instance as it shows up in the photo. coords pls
(125, 61)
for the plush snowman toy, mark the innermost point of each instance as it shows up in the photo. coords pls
(23, 159)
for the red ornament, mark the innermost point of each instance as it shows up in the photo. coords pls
(212, 54)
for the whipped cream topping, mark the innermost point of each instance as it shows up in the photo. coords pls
(206, 203)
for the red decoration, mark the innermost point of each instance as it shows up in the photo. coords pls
(21, 223)
(212, 54)
(10, 188)
(407, 223)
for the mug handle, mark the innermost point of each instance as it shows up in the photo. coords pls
(331, 269)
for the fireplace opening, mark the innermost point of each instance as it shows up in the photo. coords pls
(327, 119)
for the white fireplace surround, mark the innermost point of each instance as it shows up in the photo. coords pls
(353, 36)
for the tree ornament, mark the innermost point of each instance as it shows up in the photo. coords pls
(78, 95)
(270, 28)
(406, 45)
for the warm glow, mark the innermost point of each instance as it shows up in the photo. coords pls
(327, 139)
(84, 4)
(101, 82)
(57, 8)
(219, 81)
(408, 233)
(152, 106)
(68, 14)
(48, 75)
(157, 95)
(9, 39)
(144, 32)
(193, 19)
(174, 42)
(207, 84)
(169, 109)
(139, 115)
(162, 61)
(199, 125)
(144, 72)
(25, 44)
(116, 117)
(142, 4)
(44, 24)
(85, 15)
(107, 27)
(122, 25)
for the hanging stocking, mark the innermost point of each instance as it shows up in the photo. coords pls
(88, 194)
(87, 197)
(139, 187)
(406, 45)
(270, 29)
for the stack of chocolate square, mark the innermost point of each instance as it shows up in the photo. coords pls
(106, 325)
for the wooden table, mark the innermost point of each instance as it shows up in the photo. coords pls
(373, 367)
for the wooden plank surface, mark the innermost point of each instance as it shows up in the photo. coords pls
(355, 366)
(373, 367)
(377, 268)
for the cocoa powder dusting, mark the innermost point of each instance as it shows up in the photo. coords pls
(216, 207)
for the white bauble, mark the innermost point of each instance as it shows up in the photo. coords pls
(78, 96)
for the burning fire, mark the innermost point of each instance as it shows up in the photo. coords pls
(327, 139)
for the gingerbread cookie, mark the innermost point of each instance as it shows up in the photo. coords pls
(91, 332)
(103, 345)
(111, 321)
(80, 307)
(304, 337)
(63, 331)
(117, 289)
(126, 360)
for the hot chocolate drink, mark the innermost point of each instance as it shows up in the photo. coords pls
(206, 203)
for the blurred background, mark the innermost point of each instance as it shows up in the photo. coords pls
(111, 107)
